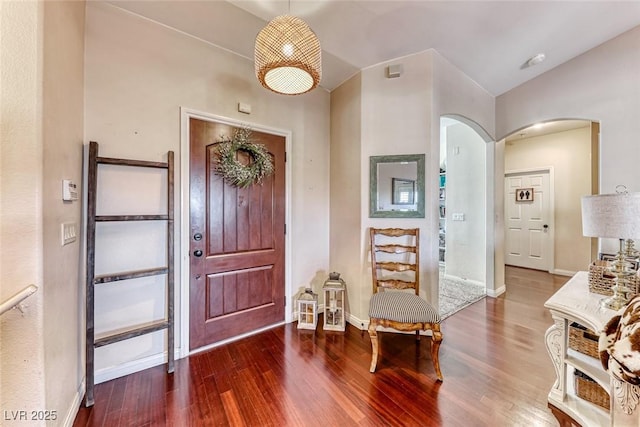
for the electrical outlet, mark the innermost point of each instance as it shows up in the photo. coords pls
(457, 217)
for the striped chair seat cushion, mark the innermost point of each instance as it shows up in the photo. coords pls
(402, 307)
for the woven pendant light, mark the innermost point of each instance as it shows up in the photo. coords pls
(288, 57)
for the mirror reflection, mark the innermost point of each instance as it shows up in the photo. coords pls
(397, 186)
(403, 191)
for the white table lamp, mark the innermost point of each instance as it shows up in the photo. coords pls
(614, 216)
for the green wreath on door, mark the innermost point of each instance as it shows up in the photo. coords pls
(235, 172)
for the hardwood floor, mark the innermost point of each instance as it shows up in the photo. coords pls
(495, 365)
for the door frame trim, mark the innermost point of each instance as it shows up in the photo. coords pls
(183, 286)
(551, 266)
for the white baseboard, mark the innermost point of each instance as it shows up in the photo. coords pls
(563, 272)
(75, 405)
(496, 292)
(127, 368)
(358, 323)
(349, 318)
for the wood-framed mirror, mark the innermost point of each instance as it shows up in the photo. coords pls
(396, 186)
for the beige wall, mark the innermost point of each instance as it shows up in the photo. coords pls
(599, 85)
(397, 116)
(21, 259)
(569, 153)
(498, 179)
(42, 123)
(138, 75)
(381, 116)
(457, 96)
(63, 125)
(395, 119)
(346, 182)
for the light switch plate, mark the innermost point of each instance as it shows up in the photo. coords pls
(68, 232)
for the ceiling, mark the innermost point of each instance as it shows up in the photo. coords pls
(488, 40)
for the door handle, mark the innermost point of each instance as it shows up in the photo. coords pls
(545, 226)
(197, 253)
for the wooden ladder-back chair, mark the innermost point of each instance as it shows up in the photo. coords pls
(392, 305)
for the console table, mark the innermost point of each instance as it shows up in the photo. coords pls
(574, 303)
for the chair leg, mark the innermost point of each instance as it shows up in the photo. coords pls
(436, 340)
(374, 345)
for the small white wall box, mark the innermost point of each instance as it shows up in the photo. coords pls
(394, 71)
(308, 310)
(244, 107)
(69, 190)
(334, 296)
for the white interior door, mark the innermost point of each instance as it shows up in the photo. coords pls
(528, 214)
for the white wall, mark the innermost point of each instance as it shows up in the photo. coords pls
(465, 194)
(599, 85)
(138, 75)
(569, 153)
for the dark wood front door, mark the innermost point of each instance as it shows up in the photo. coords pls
(237, 242)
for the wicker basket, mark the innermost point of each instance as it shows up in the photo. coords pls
(601, 280)
(583, 340)
(589, 390)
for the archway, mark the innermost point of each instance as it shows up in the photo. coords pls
(570, 150)
(465, 211)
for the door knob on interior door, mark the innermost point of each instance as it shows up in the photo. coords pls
(546, 227)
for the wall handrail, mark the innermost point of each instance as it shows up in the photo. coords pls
(15, 300)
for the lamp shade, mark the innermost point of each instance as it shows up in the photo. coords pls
(614, 216)
(288, 58)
